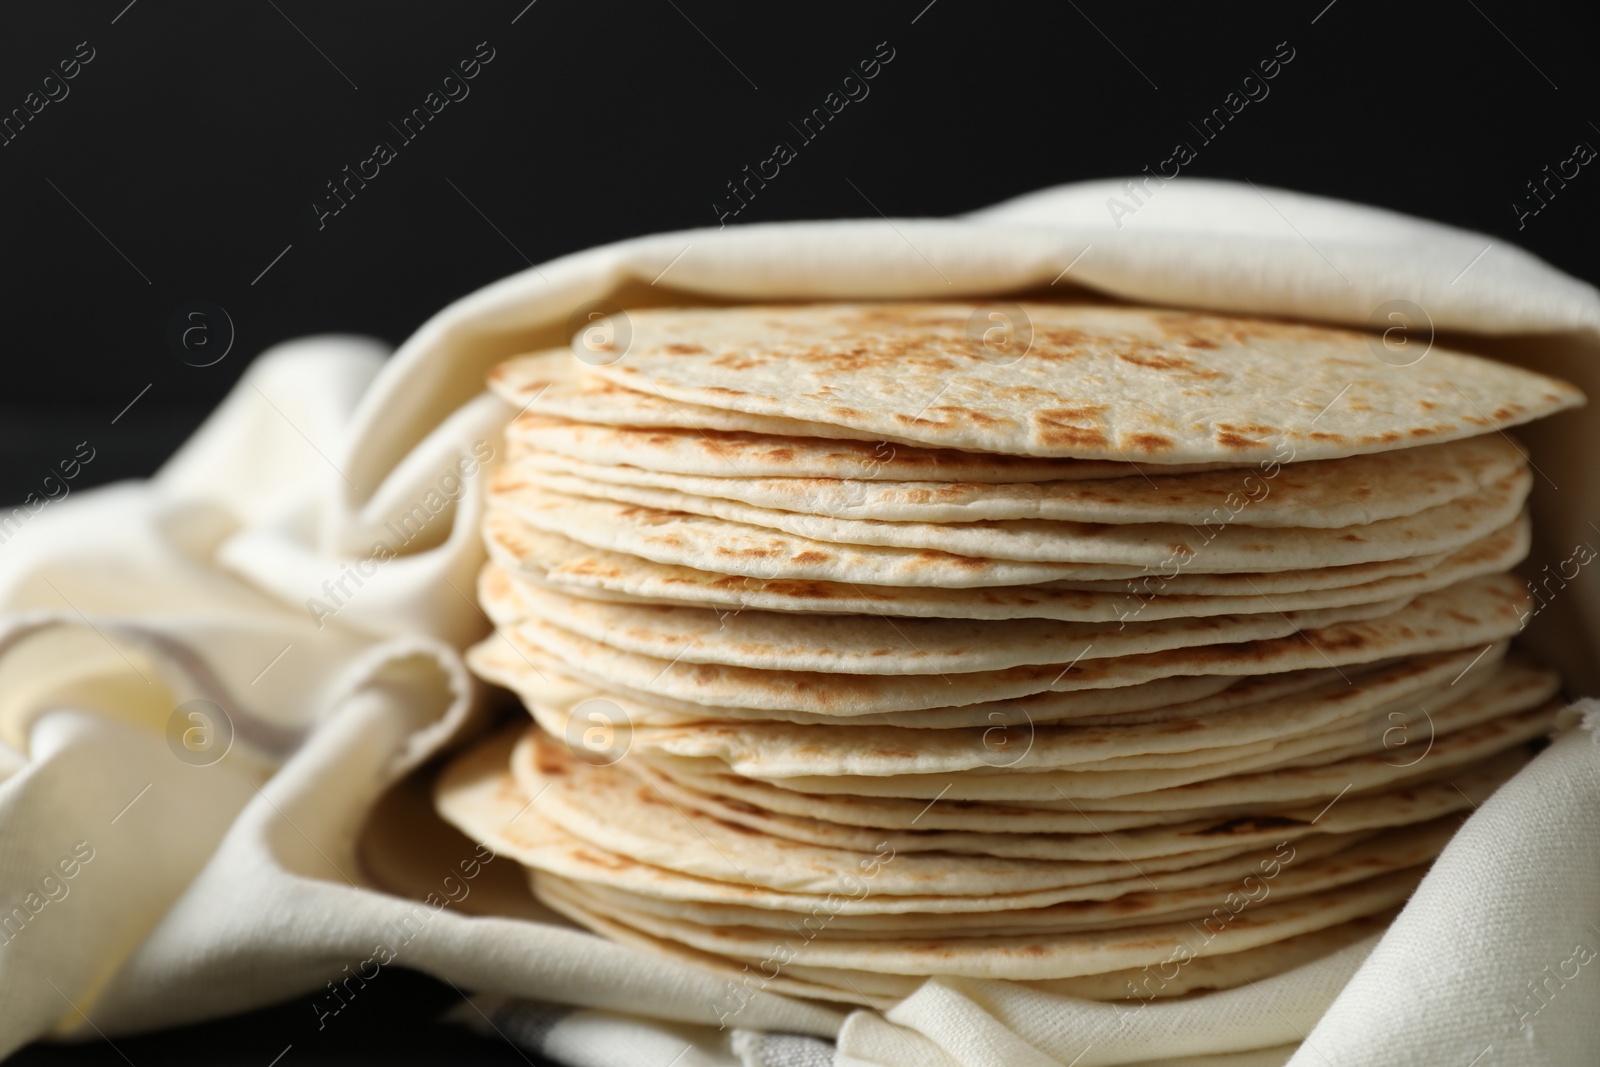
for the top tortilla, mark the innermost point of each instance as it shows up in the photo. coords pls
(1110, 383)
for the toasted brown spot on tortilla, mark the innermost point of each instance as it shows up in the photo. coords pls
(549, 762)
(1158, 362)
(1150, 442)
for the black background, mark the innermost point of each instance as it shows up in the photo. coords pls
(189, 152)
(201, 134)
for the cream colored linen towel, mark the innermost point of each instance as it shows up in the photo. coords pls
(299, 576)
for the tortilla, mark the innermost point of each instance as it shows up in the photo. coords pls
(559, 562)
(1019, 834)
(1393, 850)
(1367, 771)
(699, 450)
(1091, 382)
(1478, 612)
(1032, 956)
(871, 644)
(610, 810)
(1327, 494)
(1326, 713)
(718, 528)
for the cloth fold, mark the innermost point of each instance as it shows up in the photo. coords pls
(212, 684)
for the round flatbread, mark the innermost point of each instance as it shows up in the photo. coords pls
(611, 810)
(1325, 713)
(1034, 956)
(700, 450)
(872, 644)
(1015, 833)
(1080, 380)
(1478, 613)
(1280, 772)
(560, 562)
(1393, 850)
(716, 528)
(1329, 493)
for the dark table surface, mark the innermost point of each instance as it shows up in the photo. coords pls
(394, 1022)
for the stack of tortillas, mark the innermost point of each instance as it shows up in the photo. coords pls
(1122, 651)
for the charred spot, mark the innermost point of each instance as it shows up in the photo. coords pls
(1072, 435)
(757, 553)
(1159, 362)
(977, 418)
(549, 762)
(1247, 435)
(1079, 413)
(1150, 442)
(1348, 641)
(1055, 427)
(735, 362)
(677, 349)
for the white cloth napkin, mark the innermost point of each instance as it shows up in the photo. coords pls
(267, 581)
